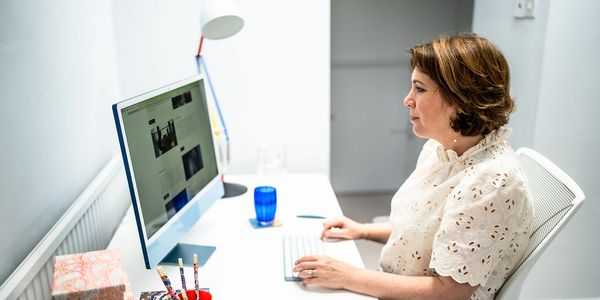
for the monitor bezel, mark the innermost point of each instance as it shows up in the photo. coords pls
(168, 236)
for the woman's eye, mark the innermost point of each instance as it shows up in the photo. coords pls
(419, 89)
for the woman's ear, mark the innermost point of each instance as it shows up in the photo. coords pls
(452, 113)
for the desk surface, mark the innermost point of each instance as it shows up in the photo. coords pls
(248, 262)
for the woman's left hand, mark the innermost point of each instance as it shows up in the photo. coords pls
(324, 271)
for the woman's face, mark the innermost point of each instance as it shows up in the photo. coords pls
(430, 114)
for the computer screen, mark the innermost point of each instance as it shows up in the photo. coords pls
(170, 160)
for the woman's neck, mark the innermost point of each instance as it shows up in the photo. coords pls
(460, 144)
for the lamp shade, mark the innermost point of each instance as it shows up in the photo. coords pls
(220, 19)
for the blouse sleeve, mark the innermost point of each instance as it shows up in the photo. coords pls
(478, 224)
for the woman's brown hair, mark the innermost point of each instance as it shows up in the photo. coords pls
(473, 76)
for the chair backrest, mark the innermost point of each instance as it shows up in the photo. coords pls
(555, 198)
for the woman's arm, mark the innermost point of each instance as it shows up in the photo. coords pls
(345, 228)
(332, 273)
(378, 232)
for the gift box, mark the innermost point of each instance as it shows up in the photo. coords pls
(90, 275)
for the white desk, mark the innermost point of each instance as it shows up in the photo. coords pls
(248, 262)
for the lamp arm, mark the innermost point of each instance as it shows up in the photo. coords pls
(212, 91)
(200, 47)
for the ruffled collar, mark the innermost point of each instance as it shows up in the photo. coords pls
(492, 138)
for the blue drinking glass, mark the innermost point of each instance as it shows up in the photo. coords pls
(265, 204)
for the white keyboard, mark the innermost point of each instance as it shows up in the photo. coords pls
(295, 247)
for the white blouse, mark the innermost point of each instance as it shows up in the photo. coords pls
(468, 217)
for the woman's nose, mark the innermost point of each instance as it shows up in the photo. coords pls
(409, 101)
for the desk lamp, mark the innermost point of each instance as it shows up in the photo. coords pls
(220, 19)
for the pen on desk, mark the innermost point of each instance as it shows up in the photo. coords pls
(166, 282)
(310, 216)
(183, 288)
(196, 286)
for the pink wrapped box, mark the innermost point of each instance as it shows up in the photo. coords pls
(90, 275)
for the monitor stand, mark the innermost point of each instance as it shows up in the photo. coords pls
(186, 252)
(233, 189)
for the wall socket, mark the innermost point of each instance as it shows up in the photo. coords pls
(524, 9)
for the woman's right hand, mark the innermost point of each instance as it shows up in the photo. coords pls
(343, 228)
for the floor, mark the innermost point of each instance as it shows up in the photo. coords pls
(363, 208)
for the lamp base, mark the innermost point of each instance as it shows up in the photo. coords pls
(233, 189)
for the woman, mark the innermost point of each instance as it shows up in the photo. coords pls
(461, 222)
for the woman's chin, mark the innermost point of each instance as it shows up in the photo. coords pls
(418, 132)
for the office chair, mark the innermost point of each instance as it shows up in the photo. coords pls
(555, 198)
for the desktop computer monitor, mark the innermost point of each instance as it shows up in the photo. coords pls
(170, 161)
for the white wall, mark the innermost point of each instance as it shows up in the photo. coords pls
(63, 63)
(58, 79)
(555, 80)
(566, 131)
(156, 43)
(272, 80)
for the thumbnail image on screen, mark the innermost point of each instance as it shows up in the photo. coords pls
(192, 162)
(182, 99)
(163, 139)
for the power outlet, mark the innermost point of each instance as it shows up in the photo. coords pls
(524, 9)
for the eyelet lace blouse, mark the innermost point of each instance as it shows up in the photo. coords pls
(468, 217)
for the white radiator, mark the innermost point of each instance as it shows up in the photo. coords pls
(87, 225)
